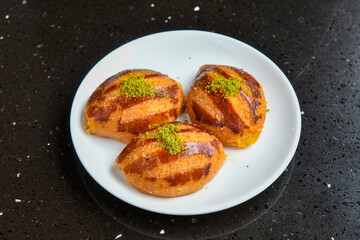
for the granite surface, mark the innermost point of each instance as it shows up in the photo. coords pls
(47, 48)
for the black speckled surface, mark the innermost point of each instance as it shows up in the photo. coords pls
(46, 49)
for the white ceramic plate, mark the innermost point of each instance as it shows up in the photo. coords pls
(179, 54)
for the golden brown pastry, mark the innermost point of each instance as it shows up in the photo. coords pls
(229, 103)
(128, 102)
(171, 160)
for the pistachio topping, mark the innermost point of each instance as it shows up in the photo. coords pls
(135, 87)
(169, 138)
(228, 87)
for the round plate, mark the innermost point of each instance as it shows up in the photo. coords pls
(179, 54)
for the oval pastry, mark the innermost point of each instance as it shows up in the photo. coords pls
(171, 160)
(128, 102)
(229, 103)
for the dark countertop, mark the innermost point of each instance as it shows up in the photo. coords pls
(47, 48)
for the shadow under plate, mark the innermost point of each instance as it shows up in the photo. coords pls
(186, 227)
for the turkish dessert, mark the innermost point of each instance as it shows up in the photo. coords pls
(171, 160)
(126, 104)
(229, 103)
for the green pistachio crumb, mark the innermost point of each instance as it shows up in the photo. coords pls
(228, 87)
(169, 138)
(135, 87)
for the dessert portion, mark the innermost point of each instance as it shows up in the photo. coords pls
(171, 160)
(128, 102)
(229, 103)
